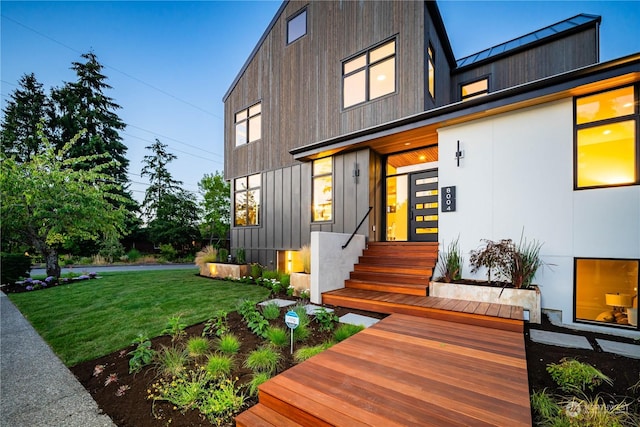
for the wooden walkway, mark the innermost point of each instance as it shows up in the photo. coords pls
(500, 316)
(404, 371)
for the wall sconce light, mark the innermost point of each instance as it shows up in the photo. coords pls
(356, 172)
(459, 154)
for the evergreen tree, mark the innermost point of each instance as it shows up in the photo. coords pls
(160, 179)
(83, 105)
(25, 109)
(172, 213)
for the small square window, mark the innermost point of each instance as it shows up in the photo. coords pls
(297, 26)
(249, 124)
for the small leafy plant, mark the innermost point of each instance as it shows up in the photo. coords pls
(572, 375)
(142, 355)
(326, 319)
(175, 327)
(257, 379)
(305, 294)
(257, 323)
(223, 255)
(216, 325)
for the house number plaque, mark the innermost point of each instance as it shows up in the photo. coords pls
(448, 201)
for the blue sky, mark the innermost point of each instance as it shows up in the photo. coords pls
(171, 62)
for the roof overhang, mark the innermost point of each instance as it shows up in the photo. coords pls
(420, 130)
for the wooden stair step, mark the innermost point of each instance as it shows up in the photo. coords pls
(385, 260)
(391, 277)
(261, 416)
(401, 253)
(395, 269)
(400, 288)
(404, 245)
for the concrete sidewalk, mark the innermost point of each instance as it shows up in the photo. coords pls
(36, 389)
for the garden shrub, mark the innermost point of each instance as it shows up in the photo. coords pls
(241, 256)
(223, 255)
(168, 252)
(256, 270)
(13, 267)
(346, 330)
(133, 255)
(572, 375)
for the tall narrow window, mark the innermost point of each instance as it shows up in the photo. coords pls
(323, 189)
(474, 89)
(249, 124)
(297, 26)
(369, 75)
(431, 70)
(246, 193)
(606, 141)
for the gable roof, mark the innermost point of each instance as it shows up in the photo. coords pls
(543, 35)
(431, 6)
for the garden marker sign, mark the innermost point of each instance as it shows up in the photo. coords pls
(292, 321)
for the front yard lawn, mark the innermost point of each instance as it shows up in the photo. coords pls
(91, 318)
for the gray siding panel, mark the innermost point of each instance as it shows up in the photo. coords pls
(296, 219)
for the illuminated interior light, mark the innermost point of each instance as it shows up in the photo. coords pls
(606, 132)
(381, 77)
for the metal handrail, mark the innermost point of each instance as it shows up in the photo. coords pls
(356, 230)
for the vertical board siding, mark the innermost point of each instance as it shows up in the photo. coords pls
(300, 85)
(285, 220)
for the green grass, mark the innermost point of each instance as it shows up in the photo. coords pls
(91, 318)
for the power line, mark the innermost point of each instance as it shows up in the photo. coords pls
(164, 92)
(175, 140)
(174, 149)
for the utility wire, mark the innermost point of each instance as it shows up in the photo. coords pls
(164, 92)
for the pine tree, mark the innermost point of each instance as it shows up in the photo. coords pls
(83, 104)
(160, 179)
(25, 109)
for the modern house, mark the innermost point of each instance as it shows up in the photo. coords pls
(355, 116)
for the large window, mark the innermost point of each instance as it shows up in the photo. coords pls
(369, 75)
(474, 89)
(246, 194)
(322, 189)
(431, 70)
(249, 124)
(606, 139)
(297, 26)
(607, 291)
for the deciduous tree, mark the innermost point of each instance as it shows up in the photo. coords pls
(216, 206)
(46, 201)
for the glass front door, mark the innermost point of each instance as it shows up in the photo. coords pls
(411, 199)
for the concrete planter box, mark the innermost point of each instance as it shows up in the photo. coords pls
(236, 271)
(300, 282)
(529, 299)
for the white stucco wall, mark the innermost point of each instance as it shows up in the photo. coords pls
(517, 173)
(330, 264)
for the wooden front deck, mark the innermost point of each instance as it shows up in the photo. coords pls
(404, 371)
(500, 316)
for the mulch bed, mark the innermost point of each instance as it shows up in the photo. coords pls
(135, 409)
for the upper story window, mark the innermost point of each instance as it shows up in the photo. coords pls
(431, 71)
(369, 75)
(606, 140)
(297, 26)
(322, 189)
(474, 89)
(246, 201)
(249, 124)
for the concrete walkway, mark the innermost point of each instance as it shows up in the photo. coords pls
(578, 341)
(36, 389)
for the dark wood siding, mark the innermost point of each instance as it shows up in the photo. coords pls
(286, 207)
(443, 70)
(558, 56)
(300, 85)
